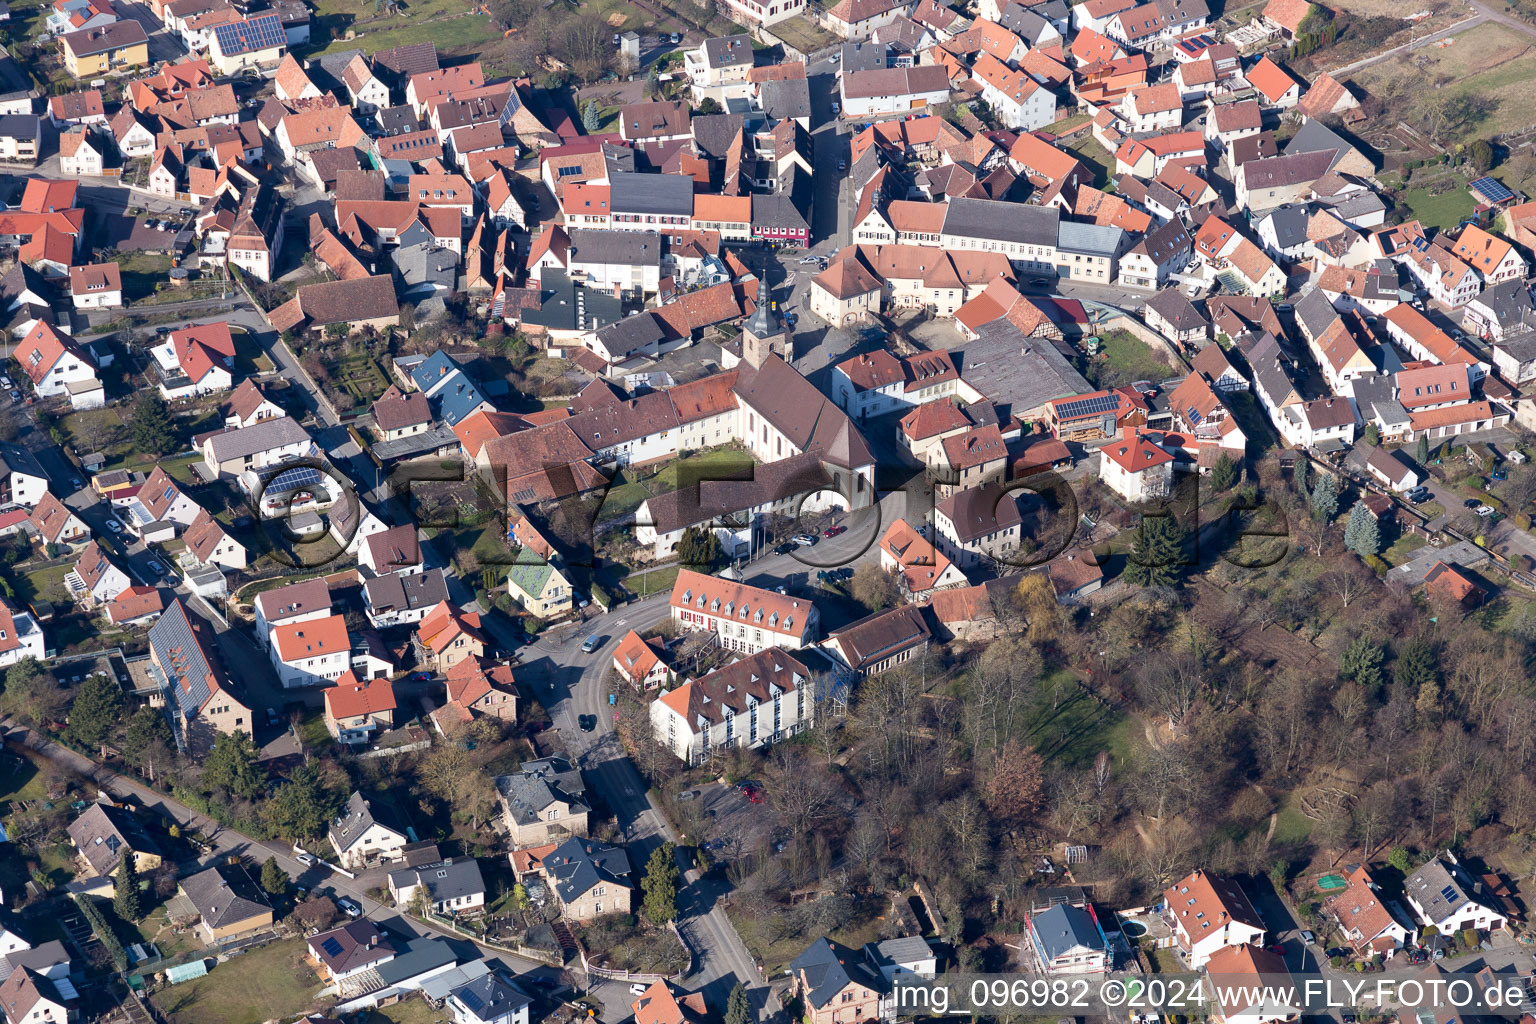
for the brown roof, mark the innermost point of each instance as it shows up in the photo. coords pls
(1288, 14)
(847, 279)
(976, 447)
(204, 535)
(338, 302)
(883, 635)
(1359, 907)
(757, 676)
(73, 106)
(1204, 897)
(397, 411)
(981, 511)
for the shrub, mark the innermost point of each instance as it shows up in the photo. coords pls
(1522, 520)
(1378, 564)
(1469, 938)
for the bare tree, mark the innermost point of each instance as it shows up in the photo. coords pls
(804, 795)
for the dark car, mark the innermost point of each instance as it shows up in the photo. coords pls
(420, 677)
(1471, 503)
(526, 639)
(537, 727)
(587, 722)
(784, 549)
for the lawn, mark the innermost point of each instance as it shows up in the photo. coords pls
(1124, 358)
(1068, 124)
(1095, 158)
(1444, 211)
(803, 35)
(632, 488)
(1402, 548)
(141, 271)
(414, 1010)
(1074, 731)
(20, 780)
(249, 358)
(447, 23)
(1291, 826)
(1165, 961)
(262, 984)
(48, 584)
(763, 932)
(360, 376)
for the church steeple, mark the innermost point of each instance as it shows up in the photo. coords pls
(763, 333)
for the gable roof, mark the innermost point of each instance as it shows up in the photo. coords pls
(224, 895)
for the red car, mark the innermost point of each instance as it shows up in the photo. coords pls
(535, 727)
(754, 796)
(833, 531)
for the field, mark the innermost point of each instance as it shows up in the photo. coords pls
(631, 488)
(452, 24)
(1488, 62)
(141, 271)
(1445, 211)
(1095, 158)
(803, 35)
(1124, 358)
(273, 981)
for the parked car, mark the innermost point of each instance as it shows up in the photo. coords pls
(837, 108)
(754, 796)
(784, 549)
(1484, 510)
(1418, 497)
(7, 383)
(153, 566)
(842, 165)
(637, 989)
(15, 396)
(805, 540)
(420, 677)
(587, 722)
(677, 37)
(688, 794)
(833, 531)
(116, 527)
(809, 259)
(162, 331)
(273, 717)
(592, 643)
(1471, 503)
(348, 907)
(307, 859)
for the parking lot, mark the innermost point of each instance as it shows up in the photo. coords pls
(726, 822)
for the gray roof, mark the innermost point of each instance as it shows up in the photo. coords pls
(450, 880)
(19, 126)
(394, 592)
(490, 997)
(1016, 371)
(262, 436)
(1088, 239)
(1026, 22)
(1314, 313)
(354, 820)
(1376, 395)
(728, 52)
(1440, 887)
(560, 310)
(181, 655)
(39, 958)
(1002, 222)
(670, 194)
(1357, 205)
(829, 968)
(623, 248)
(1173, 307)
(1509, 302)
(224, 895)
(1063, 928)
(1521, 346)
(906, 949)
(1316, 137)
(101, 833)
(862, 57)
(764, 322)
(786, 98)
(777, 210)
(714, 133)
(1290, 225)
(416, 957)
(537, 785)
(578, 864)
(1393, 465)
(1269, 372)
(16, 459)
(1291, 168)
(437, 987)
(633, 333)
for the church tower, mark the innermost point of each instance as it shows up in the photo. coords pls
(763, 334)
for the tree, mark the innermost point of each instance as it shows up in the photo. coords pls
(1415, 664)
(660, 885)
(1325, 498)
(1481, 155)
(1401, 859)
(273, 878)
(1016, 790)
(152, 430)
(519, 897)
(317, 912)
(1372, 434)
(698, 546)
(1036, 598)
(33, 693)
(97, 707)
(738, 1010)
(1157, 553)
(232, 764)
(1361, 534)
(1421, 450)
(1223, 474)
(709, 106)
(1361, 662)
(591, 117)
(128, 900)
(300, 808)
(874, 588)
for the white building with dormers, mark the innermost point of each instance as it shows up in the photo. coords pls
(746, 619)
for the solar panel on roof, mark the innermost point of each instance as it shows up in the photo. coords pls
(331, 947)
(470, 999)
(1449, 894)
(259, 32)
(291, 479)
(1088, 406)
(1493, 189)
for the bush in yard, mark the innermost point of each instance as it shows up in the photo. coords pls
(1469, 939)
(1522, 520)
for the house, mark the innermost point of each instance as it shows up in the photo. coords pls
(356, 712)
(1493, 258)
(256, 41)
(249, 405)
(20, 635)
(397, 415)
(1176, 318)
(19, 134)
(1018, 100)
(310, 653)
(452, 888)
(1444, 896)
(28, 997)
(640, 662)
(395, 550)
(262, 445)
(1274, 83)
(292, 604)
(1451, 583)
(588, 879)
(1366, 918)
(57, 525)
(860, 19)
(229, 906)
(1074, 575)
(753, 702)
(492, 998)
(357, 303)
(104, 833)
(1286, 16)
(881, 91)
(22, 480)
(836, 984)
(880, 642)
(664, 1003)
(1135, 468)
(101, 580)
(183, 659)
(196, 360)
(921, 569)
(210, 545)
(1067, 939)
(878, 382)
(478, 686)
(347, 953)
(1261, 991)
(360, 839)
(544, 801)
(113, 47)
(746, 619)
(80, 154)
(1207, 913)
(446, 636)
(979, 524)
(56, 365)
(402, 598)
(1393, 470)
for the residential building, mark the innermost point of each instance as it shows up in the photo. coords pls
(311, 653)
(921, 569)
(1366, 918)
(446, 636)
(543, 802)
(589, 879)
(452, 888)
(641, 662)
(478, 686)
(290, 605)
(113, 47)
(230, 907)
(262, 445)
(357, 712)
(104, 833)
(57, 525)
(880, 642)
(1207, 913)
(255, 41)
(20, 635)
(1067, 939)
(753, 702)
(347, 953)
(57, 365)
(361, 840)
(492, 998)
(979, 524)
(1261, 991)
(836, 984)
(183, 659)
(1446, 897)
(195, 360)
(746, 619)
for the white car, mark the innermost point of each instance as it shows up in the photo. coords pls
(1484, 510)
(307, 859)
(637, 989)
(114, 526)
